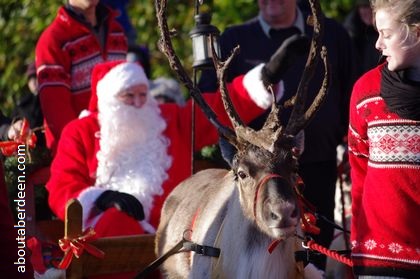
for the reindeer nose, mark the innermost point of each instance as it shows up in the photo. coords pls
(282, 212)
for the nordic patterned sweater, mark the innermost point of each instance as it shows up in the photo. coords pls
(65, 53)
(385, 170)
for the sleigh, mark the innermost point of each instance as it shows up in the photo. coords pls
(120, 254)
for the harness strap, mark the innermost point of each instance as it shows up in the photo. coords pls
(156, 263)
(262, 182)
(202, 249)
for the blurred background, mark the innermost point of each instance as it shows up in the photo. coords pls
(21, 22)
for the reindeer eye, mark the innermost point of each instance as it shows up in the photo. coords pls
(242, 174)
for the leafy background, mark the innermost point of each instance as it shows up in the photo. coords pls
(21, 23)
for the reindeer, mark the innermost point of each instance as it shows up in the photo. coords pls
(253, 207)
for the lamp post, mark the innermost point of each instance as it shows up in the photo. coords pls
(203, 35)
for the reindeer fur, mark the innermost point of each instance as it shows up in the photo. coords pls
(218, 209)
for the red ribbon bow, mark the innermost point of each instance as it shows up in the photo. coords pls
(26, 136)
(76, 247)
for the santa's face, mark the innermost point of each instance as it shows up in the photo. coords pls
(135, 95)
(133, 149)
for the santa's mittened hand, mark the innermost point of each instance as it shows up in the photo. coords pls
(284, 57)
(122, 201)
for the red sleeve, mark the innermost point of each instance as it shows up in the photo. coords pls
(73, 166)
(53, 72)
(206, 133)
(358, 150)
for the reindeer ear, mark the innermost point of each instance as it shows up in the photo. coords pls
(299, 142)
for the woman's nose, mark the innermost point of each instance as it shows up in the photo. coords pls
(378, 44)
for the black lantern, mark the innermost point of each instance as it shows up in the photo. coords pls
(201, 44)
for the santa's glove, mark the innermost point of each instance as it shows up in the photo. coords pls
(293, 47)
(122, 201)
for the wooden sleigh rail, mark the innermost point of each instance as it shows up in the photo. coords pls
(122, 253)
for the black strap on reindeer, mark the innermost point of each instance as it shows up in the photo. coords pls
(184, 245)
(202, 249)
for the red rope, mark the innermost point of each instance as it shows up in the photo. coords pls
(314, 246)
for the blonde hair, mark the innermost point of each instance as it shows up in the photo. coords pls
(407, 12)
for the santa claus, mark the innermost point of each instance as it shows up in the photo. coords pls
(125, 156)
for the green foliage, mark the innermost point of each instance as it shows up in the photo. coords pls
(337, 9)
(22, 22)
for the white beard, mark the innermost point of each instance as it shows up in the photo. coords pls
(133, 151)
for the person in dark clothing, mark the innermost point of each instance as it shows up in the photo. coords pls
(258, 39)
(4, 126)
(140, 54)
(29, 106)
(123, 18)
(359, 24)
(8, 130)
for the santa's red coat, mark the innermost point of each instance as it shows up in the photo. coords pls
(74, 167)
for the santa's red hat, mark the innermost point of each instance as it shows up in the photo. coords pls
(111, 77)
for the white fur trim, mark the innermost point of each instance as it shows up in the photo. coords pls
(312, 272)
(120, 77)
(87, 198)
(256, 89)
(84, 113)
(51, 273)
(147, 226)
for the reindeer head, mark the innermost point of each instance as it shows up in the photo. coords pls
(265, 182)
(265, 165)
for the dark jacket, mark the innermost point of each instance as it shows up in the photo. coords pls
(329, 125)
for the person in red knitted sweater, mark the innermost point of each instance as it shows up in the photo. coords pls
(83, 34)
(384, 146)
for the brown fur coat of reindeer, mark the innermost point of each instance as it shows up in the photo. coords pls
(254, 205)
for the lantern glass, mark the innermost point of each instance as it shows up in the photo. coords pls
(201, 33)
(199, 44)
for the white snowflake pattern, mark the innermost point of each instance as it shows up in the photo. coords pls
(370, 244)
(354, 244)
(395, 248)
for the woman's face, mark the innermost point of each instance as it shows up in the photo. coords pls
(402, 52)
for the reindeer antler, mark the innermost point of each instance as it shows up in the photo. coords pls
(272, 132)
(165, 46)
(299, 118)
